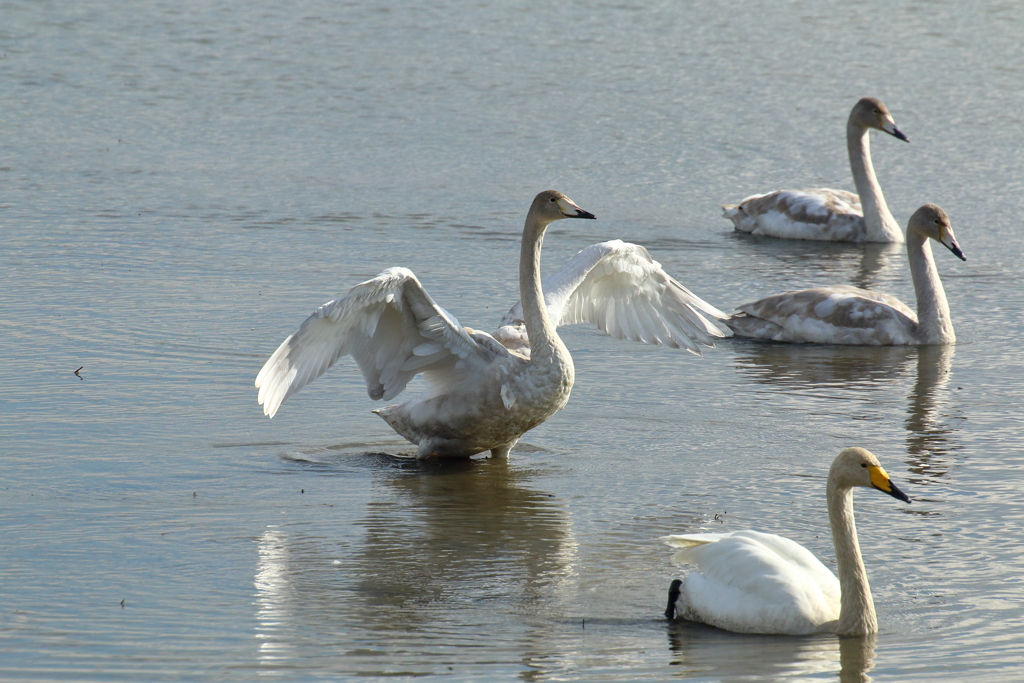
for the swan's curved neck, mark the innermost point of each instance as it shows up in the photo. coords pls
(881, 226)
(856, 608)
(934, 323)
(544, 340)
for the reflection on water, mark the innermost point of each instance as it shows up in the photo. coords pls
(702, 651)
(811, 264)
(441, 543)
(466, 532)
(273, 591)
(876, 263)
(811, 366)
(856, 657)
(182, 179)
(931, 438)
(854, 375)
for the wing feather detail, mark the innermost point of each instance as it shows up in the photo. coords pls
(389, 324)
(618, 287)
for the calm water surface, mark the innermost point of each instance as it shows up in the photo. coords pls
(182, 183)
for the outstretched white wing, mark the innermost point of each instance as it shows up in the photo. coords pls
(393, 329)
(620, 288)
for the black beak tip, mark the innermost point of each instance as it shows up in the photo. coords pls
(585, 214)
(899, 134)
(897, 494)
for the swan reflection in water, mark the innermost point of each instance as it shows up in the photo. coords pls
(930, 417)
(433, 540)
(856, 380)
(800, 264)
(456, 534)
(273, 595)
(705, 652)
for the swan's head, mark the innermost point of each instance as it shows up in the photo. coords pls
(871, 113)
(931, 221)
(552, 205)
(859, 467)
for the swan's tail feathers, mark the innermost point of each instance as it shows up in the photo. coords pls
(690, 540)
(746, 325)
(688, 545)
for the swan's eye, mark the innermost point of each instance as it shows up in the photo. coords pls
(552, 200)
(936, 221)
(864, 464)
(877, 112)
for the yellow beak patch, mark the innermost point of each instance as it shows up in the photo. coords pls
(879, 478)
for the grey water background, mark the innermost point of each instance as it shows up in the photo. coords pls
(182, 183)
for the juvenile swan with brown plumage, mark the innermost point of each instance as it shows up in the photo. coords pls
(824, 213)
(842, 314)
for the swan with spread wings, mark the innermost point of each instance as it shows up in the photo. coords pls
(483, 392)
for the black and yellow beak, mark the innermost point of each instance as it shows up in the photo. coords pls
(880, 480)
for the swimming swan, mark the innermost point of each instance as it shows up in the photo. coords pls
(482, 395)
(752, 582)
(842, 314)
(825, 214)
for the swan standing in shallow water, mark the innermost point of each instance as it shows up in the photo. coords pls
(752, 582)
(849, 315)
(826, 214)
(481, 394)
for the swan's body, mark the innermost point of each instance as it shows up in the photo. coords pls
(827, 214)
(481, 394)
(842, 314)
(752, 582)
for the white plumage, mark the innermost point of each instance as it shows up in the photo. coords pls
(824, 213)
(483, 392)
(750, 578)
(621, 289)
(753, 582)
